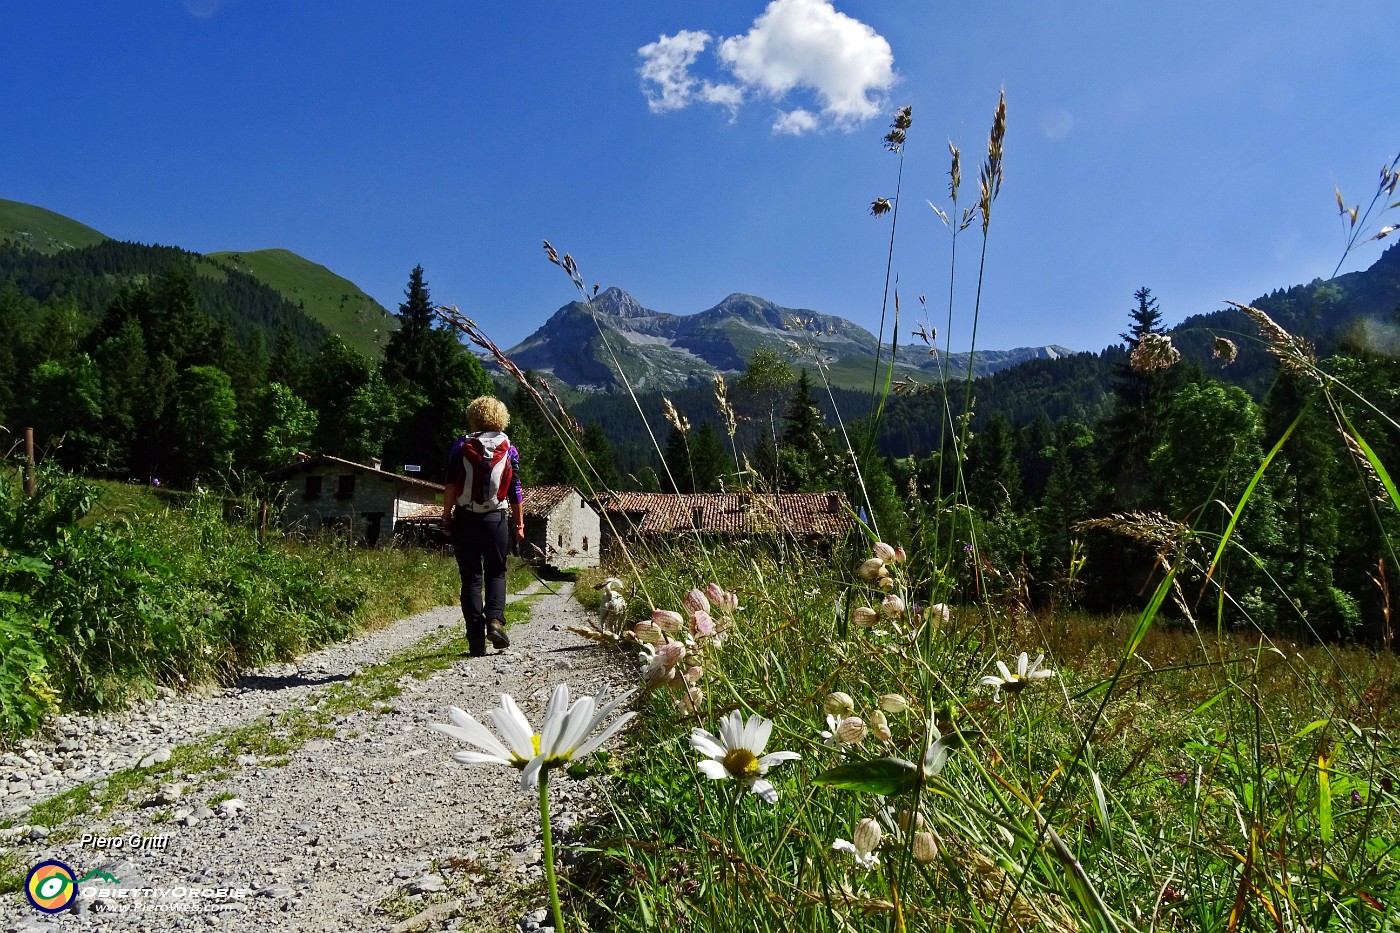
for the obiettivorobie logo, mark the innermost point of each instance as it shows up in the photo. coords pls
(52, 888)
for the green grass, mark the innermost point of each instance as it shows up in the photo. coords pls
(43, 230)
(1187, 785)
(328, 298)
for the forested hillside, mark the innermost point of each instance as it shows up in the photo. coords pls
(152, 363)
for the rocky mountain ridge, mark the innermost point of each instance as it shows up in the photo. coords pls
(591, 345)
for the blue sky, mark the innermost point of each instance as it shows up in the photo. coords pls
(1189, 147)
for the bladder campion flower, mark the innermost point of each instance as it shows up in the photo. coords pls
(1026, 671)
(839, 704)
(866, 841)
(925, 848)
(893, 703)
(872, 569)
(737, 752)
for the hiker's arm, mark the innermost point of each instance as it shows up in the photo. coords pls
(516, 496)
(450, 494)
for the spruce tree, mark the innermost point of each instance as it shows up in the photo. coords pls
(1134, 425)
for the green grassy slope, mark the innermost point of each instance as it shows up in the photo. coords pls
(43, 230)
(335, 302)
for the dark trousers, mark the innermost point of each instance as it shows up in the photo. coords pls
(480, 541)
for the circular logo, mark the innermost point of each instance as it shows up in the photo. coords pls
(51, 887)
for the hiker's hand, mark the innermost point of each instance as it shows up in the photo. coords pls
(446, 529)
(520, 532)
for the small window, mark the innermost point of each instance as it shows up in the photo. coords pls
(582, 504)
(585, 543)
(313, 487)
(561, 539)
(345, 488)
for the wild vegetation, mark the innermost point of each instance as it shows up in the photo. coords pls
(927, 730)
(110, 590)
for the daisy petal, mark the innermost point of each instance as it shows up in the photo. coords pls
(479, 758)
(589, 746)
(514, 727)
(706, 744)
(764, 790)
(530, 774)
(773, 758)
(712, 769)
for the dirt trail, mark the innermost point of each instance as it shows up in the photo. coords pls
(373, 828)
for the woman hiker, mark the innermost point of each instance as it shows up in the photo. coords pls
(482, 514)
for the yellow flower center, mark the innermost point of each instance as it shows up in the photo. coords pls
(741, 763)
(535, 741)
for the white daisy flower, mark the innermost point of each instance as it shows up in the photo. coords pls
(737, 752)
(563, 737)
(1026, 671)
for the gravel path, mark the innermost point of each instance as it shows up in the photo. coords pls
(374, 828)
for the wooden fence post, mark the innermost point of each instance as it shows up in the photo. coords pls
(30, 484)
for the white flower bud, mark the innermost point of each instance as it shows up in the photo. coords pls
(893, 606)
(871, 569)
(647, 633)
(908, 818)
(899, 555)
(893, 703)
(667, 621)
(839, 704)
(851, 730)
(925, 849)
(867, 836)
(884, 551)
(885, 583)
(696, 601)
(863, 617)
(879, 726)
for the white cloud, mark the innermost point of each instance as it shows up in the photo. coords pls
(202, 9)
(666, 65)
(808, 44)
(793, 46)
(797, 122)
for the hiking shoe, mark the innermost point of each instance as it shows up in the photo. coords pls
(477, 650)
(496, 634)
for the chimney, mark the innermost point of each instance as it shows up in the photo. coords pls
(375, 463)
(833, 502)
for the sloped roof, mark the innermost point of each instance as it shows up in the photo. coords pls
(541, 500)
(822, 514)
(318, 461)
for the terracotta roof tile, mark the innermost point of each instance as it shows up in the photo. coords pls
(541, 500)
(823, 514)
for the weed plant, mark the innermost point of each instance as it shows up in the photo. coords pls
(964, 762)
(103, 602)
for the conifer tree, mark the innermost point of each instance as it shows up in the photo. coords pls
(1133, 428)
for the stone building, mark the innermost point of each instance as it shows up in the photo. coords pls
(362, 502)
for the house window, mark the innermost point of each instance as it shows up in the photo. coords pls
(585, 543)
(582, 504)
(313, 488)
(345, 487)
(561, 539)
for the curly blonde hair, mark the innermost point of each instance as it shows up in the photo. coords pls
(487, 413)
